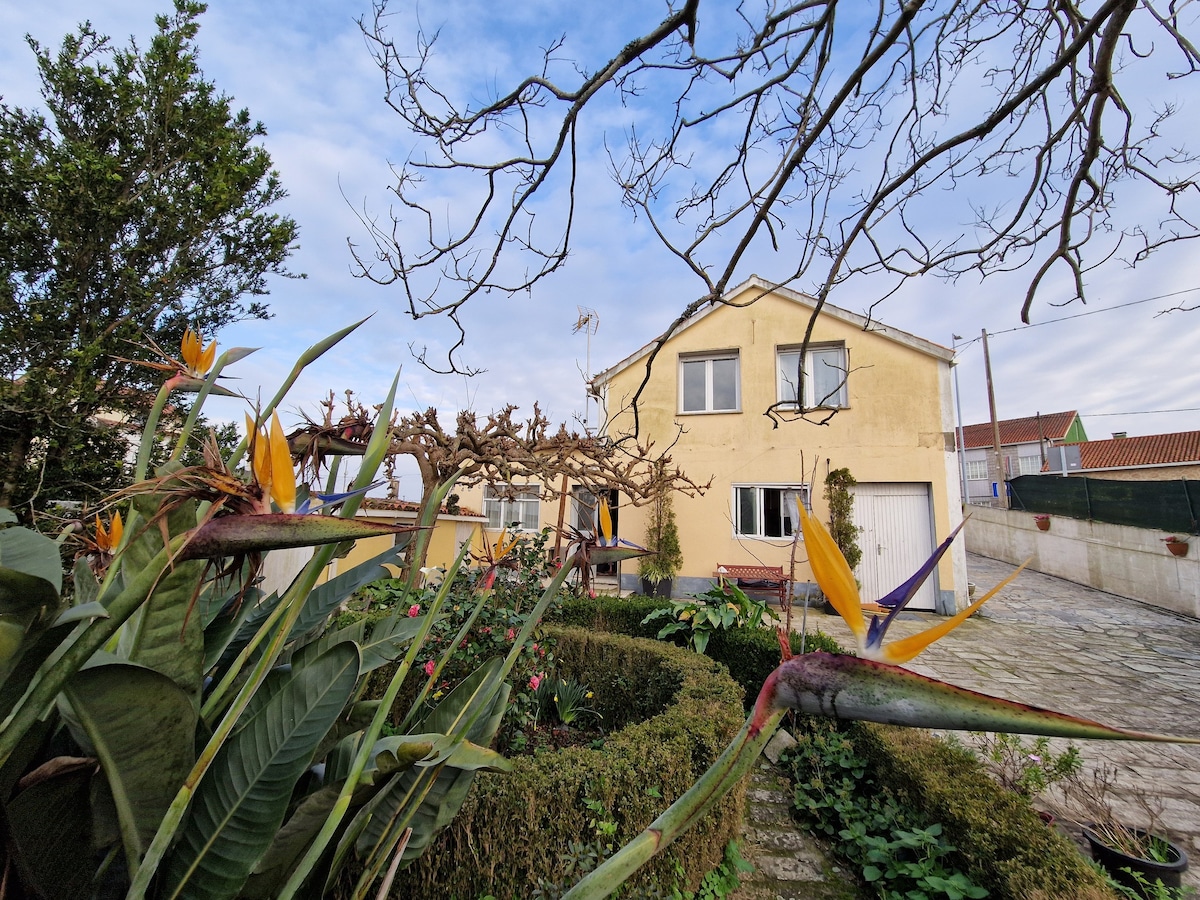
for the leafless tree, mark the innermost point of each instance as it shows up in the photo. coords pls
(833, 133)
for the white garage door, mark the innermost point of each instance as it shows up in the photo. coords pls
(896, 539)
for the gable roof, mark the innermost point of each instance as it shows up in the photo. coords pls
(1179, 448)
(1029, 430)
(754, 282)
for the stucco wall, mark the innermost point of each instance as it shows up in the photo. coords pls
(898, 428)
(1129, 562)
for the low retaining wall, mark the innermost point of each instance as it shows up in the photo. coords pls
(1129, 562)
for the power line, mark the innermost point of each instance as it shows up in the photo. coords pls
(1143, 412)
(1080, 315)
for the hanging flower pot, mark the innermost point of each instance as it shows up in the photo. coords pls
(1177, 546)
(1042, 522)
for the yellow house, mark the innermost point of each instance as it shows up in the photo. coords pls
(450, 532)
(893, 429)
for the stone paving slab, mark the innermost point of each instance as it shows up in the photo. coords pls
(1053, 643)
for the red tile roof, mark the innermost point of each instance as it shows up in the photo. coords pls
(384, 503)
(1052, 426)
(1144, 450)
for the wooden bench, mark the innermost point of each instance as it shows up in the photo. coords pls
(756, 579)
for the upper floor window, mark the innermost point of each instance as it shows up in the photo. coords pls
(1029, 465)
(515, 506)
(825, 373)
(768, 511)
(709, 383)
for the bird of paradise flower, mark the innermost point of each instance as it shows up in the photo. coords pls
(869, 687)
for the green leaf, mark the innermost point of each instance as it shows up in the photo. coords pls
(28, 552)
(241, 801)
(388, 639)
(326, 598)
(143, 728)
(49, 822)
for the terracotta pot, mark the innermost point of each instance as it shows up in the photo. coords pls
(1042, 524)
(1177, 548)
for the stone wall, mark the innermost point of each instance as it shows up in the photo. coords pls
(1129, 562)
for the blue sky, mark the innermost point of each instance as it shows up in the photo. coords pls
(304, 70)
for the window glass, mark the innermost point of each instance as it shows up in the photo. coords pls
(724, 378)
(789, 375)
(747, 510)
(829, 377)
(766, 511)
(977, 470)
(694, 373)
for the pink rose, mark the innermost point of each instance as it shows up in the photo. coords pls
(414, 611)
(429, 667)
(512, 634)
(534, 682)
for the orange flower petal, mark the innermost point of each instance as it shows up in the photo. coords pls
(904, 649)
(832, 573)
(283, 477)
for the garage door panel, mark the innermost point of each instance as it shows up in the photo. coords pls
(896, 538)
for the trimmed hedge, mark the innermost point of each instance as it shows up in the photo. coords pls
(750, 654)
(515, 827)
(1004, 845)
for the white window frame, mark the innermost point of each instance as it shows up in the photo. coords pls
(502, 511)
(975, 467)
(756, 493)
(1029, 465)
(817, 355)
(707, 359)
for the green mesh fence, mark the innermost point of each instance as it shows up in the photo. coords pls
(1162, 505)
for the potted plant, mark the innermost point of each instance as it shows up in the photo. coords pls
(1142, 860)
(658, 570)
(1177, 545)
(1042, 522)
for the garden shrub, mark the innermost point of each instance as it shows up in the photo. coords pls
(518, 827)
(1007, 848)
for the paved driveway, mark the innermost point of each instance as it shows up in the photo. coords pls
(1057, 644)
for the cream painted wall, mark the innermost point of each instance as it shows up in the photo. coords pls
(898, 428)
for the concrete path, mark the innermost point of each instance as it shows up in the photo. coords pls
(1053, 643)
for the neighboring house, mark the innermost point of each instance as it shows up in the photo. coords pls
(1025, 448)
(893, 429)
(450, 532)
(1152, 457)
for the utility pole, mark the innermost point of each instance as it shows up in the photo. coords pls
(997, 459)
(961, 442)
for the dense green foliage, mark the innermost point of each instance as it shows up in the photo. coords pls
(840, 497)
(722, 607)
(662, 534)
(137, 207)
(671, 713)
(1005, 847)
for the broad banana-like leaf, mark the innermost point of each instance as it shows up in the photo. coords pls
(309, 817)
(23, 550)
(222, 629)
(241, 801)
(324, 599)
(50, 821)
(847, 687)
(164, 634)
(471, 712)
(93, 610)
(30, 582)
(87, 589)
(236, 535)
(388, 639)
(245, 632)
(142, 727)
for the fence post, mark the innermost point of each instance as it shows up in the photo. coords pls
(1187, 498)
(1087, 495)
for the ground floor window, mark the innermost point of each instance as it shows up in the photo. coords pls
(513, 506)
(768, 510)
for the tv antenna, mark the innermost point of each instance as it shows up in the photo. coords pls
(588, 322)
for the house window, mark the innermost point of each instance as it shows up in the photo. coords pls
(512, 506)
(825, 373)
(709, 383)
(768, 511)
(1029, 465)
(977, 470)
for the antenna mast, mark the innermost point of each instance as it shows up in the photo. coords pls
(588, 322)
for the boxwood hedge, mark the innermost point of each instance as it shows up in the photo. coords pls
(518, 826)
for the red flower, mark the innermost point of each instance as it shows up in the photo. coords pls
(429, 667)
(414, 611)
(511, 635)
(534, 681)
